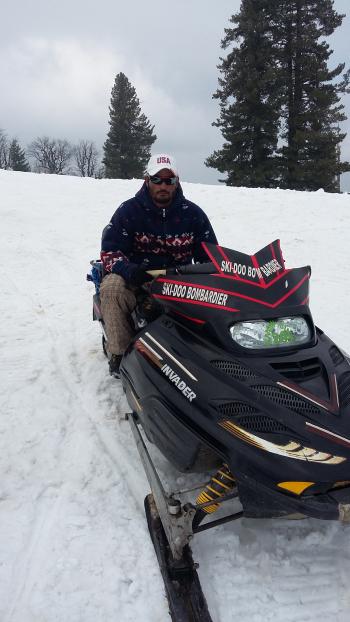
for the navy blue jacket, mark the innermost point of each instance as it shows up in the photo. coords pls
(140, 233)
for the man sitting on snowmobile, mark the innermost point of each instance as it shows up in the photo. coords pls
(155, 229)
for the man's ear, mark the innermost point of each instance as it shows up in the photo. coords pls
(146, 178)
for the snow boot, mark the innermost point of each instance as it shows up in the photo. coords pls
(114, 364)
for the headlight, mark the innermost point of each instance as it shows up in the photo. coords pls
(279, 333)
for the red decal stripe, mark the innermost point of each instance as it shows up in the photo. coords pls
(211, 257)
(281, 254)
(272, 251)
(340, 440)
(294, 289)
(187, 317)
(332, 405)
(223, 254)
(256, 265)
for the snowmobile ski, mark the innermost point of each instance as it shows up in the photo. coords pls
(185, 597)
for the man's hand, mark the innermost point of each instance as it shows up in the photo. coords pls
(139, 277)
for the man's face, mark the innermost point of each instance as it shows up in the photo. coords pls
(161, 193)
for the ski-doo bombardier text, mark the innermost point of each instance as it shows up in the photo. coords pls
(228, 375)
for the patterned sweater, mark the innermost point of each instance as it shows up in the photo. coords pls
(140, 233)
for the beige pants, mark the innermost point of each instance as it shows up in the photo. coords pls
(117, 303)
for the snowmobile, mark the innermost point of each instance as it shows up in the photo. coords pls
(229, 376)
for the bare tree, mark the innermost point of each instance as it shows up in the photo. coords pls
(4, 150)
(86, 155)
(51, 155)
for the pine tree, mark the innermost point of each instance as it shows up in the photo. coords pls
(129, 140)
(250, 99)
(17, 158)
(312, 110)
(4, 150)
(276, 76)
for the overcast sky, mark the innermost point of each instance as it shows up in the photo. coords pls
(58, 62)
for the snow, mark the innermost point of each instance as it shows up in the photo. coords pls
(74, 545)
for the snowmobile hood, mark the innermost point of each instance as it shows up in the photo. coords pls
(235, 286)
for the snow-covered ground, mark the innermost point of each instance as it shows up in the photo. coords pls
(74, 546)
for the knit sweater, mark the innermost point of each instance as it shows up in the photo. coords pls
(142, 234)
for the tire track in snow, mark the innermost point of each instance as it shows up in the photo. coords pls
(125, 465)
(31, 559)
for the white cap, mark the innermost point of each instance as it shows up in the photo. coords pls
(159, 161)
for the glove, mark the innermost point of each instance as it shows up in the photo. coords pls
(139, 277)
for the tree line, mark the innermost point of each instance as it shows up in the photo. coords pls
(280, 108)
(126, 149)
(50, 155)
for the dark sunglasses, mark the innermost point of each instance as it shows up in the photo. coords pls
(168, 181)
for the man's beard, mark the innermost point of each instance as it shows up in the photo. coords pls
(162, 199)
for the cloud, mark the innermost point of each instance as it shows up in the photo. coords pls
(57, 87)
(180, 119)
(61, 88)
(59, 83)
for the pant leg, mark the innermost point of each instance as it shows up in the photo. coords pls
(117, 303)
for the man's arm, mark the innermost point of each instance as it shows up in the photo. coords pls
(204, 233)
(117, 243)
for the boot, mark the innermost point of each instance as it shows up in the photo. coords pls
(114, 364)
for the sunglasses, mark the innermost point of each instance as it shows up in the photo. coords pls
(168, 181)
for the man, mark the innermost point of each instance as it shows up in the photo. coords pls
(155, 229)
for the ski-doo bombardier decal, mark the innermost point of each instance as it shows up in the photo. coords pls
(180, 290)
(261, 268)
(190, 293)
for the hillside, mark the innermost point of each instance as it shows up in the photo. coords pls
(74, 546)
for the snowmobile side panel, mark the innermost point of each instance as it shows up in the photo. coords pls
(182, 447)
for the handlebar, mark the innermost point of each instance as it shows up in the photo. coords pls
(191, 268)
(155, 273)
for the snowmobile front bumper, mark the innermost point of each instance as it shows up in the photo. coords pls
(261, 501)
